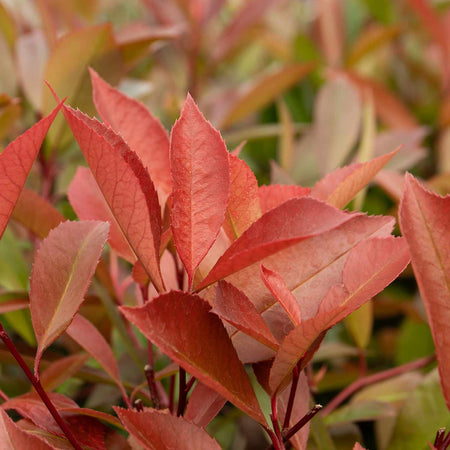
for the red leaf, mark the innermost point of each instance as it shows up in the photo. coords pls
(12, 437)
(369, 268)
(274, 195)
(126, 186)
(340, 186)
(278, 229)
(89, 204)
(318, 262)
(15, 164)
(282, 293)
(87, 336)
(139, 128)
(425, 223)
(201, 185)
(89, 432)
(181, 325)
(233, 306)
(36, 213)
(159, 430)
(62, 271)
(204, 404)
(59, 371)
(244, 206)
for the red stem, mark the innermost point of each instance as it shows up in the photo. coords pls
(171, 393)
(380, 376)
(39, 389)
(302, 422)
(274, 417)
(292, 393)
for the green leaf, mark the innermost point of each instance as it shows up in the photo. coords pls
(421, 416)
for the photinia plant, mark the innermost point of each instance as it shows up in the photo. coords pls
(237, 285)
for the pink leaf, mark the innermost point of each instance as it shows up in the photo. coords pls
(159, 430)
(244, 206)
(282, 293)
(204, 404)
(139, 128)
(181, 325)
(87, 336)
(201, 185)
(340, 186)
(370, 267)
(12, 437)
(232, 305)
(15, 164)
(89, 204)
(274, 195)
(126, 186)
(425, 221)
(282, 227)
(62, 271)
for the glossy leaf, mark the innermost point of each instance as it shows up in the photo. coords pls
(279, 228)
(232, 305)
(181, 325)
(61, 370)
(274, 195)
(341, 186)
(204, 404)
(95, 47)
(12, 437)
(88, 202)
(126, 187)
(424, 221)
(275, 283)
(243, 206)
(370, 267)
(62, 271)
(201, 185)
(157, 430)
(139, 128)
(15, 164)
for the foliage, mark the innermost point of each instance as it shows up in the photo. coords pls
(174, 299)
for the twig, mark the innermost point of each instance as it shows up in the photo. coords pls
(380, 376)
(39, 389)
(150, 375)
(302, 422)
